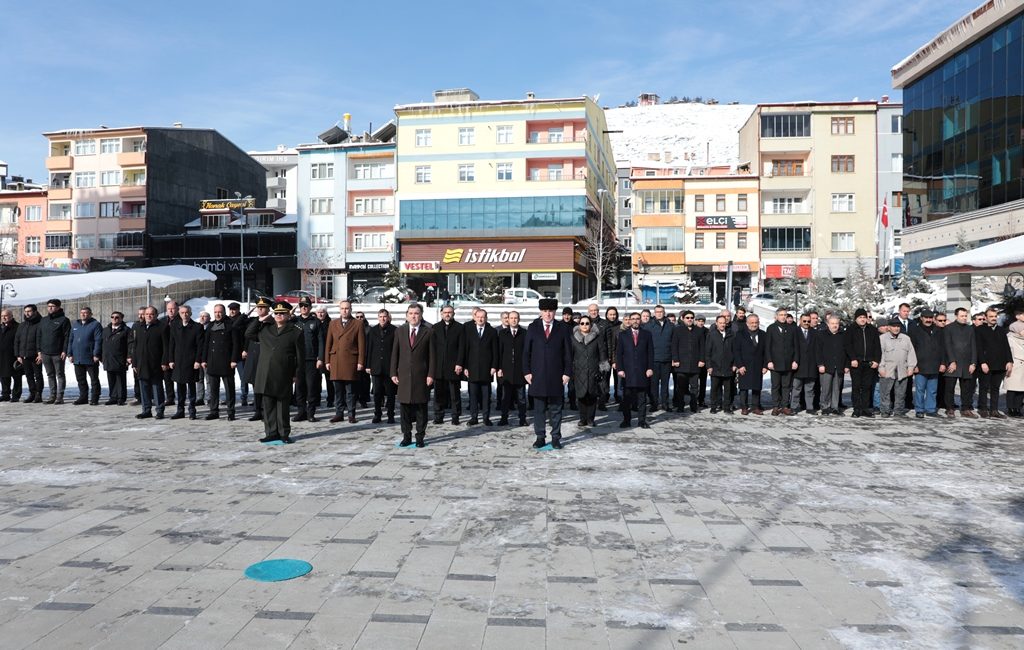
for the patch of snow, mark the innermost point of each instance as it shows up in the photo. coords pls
(72, 475)
(694, 134)
(39, 290)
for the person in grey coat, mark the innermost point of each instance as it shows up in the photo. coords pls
(961, 358)
(895, 370)
(589, 363)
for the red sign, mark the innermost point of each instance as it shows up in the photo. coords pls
(778, 271)
(492, 256)
(414, 267)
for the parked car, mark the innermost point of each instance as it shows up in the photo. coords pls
(294, 297)
(616, 298)
(459, 299)
(767, 297)
(521, 297)
(376, 294)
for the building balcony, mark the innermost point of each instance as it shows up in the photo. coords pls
(786, 145)
(59, 194)
(554, 176)
(277, 204)
(131, 159)
(771, 183)
(276, 182)
(59, 162)
(658, 220)
(133, 190)
(545, 137)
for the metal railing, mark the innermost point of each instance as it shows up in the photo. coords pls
(548, 175)
(544, 137)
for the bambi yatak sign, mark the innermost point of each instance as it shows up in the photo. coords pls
(541, 255)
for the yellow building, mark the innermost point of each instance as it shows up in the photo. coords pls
(514, 188)
(818, 169)
(695, 221)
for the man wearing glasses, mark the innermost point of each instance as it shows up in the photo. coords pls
(940, 393)
(115, 359)
(687, 360)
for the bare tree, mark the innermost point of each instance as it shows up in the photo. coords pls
(316, 264)
(600, 252)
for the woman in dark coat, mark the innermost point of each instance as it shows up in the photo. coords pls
(589, 363)
(751, 362)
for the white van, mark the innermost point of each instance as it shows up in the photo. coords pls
(521, 297)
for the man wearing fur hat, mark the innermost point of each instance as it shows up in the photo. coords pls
(547, 364)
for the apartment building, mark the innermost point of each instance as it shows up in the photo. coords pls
(510, 188)
(890, 186)
(817, 163)
(695, 221)
(282, 178)
(112, 189)
(346, 211)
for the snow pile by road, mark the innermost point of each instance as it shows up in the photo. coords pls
(79, 285)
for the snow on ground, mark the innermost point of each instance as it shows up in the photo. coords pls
(689, 131)
(79, 285)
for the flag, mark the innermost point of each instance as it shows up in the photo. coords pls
(885, 213)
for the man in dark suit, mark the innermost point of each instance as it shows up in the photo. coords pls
(413, 366)
(184, 352)
(447, 340)
(806, 373)
(481, 355)
(687, 360)
(547, 364)
(634, 359)
(751, 364)
(781, 351)
(379, 343)
(220, 356)
(510, 369)
(147, 353)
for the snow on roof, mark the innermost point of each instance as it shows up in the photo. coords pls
(489, 102)
(39, 290)
(1002, 255)
(688, 131)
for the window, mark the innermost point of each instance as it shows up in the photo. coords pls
(786, 126)
(627, 203)
(842, 242)
(110, 145)
(321, 171)
(467, 136)
(366, 171)
(327, 286)
(372, 205)
(32, 245)
(787, 205)
(627, 223)
(554, 172)
(842, 126)
(107, 241)
(556, 134)
(787, 167)
(110, 178)
(897, 124)
(85, 179)
(504, 134)
(741, 202)
(660, 201)
(698, 240)
(34, 213)
(128, 240)
(659, 239)
(842, 203)
(719, 240)
(650, 172)
(720, 202)
(741, 240)
(467, 173)
(698, 202)
(320, 240)
(897, 162)
(60, 241)
(137, 177)
(222, 193)
(370, 241)
(423, 173)
(842, 164)
(321, 206)
(627, 243)
(85, 210)
(59, 211)
(786, 239)
(897, 200)
(504, 171)
(111, 209)
(85, 241)
(423, 138)
(626, 184)
(85, 148)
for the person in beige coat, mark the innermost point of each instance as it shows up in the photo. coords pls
(345, 352)
(1015, 377)
(896, 369)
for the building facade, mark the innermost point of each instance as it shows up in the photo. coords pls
(817, 164)
(963, 122)
(697, 222)
(22, 228)
(624, 221)
(504, 188)
(282, 180)
(111, 190)
(890, 186)
(346, 214)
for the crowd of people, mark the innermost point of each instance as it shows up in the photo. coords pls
(646, 361)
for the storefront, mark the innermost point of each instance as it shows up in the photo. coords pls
(713, 280)
(360, 276)
(552, 267)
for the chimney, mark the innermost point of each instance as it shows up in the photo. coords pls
(177, 125)
(346, 121)
(530, 95)
(668, 157)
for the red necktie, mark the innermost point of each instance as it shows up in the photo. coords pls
(636, 337)
(412, 337)
(547, 331)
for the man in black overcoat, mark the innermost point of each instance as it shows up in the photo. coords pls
(221, 353)
(480, 365)
(307, 381)
(183, 357)
(147, 353)
(379, 342)
(688, 354)
(634, 360)
(114, 356)
(449, 346)
(781, 351)
(281, 356)
(749, 357)
(547, 365)
(510, 369)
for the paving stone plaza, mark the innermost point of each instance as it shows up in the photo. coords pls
(707, 531)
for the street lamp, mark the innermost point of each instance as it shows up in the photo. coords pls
(600, 243)
(241, 239)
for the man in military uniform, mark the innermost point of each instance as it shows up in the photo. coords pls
(282, 353)
(251, 356)
(307, 384)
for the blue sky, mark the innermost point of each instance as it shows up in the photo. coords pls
(264, 73)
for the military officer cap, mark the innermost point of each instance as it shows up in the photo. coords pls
(282, 307)
(305, 302)
(263, 302)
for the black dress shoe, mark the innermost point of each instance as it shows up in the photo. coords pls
(439, 420)
(522, 423)
(488, 423)
(110, 402)
(158, 416)
(256, 417)
(538, 443)
(191, 416)
(556, 444)
(421, 444)
(473, 422)
(270, 438)
(80, 401)
(391, 419)
(287, 440)
(231, 417)
(178, 416)
(503, 422)
(212, 415)
(299, 417)
(337, 418)
(624, 424)
(455, 419)
(644, 425)
(143, 416)
(405, 442)
(376, 420)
